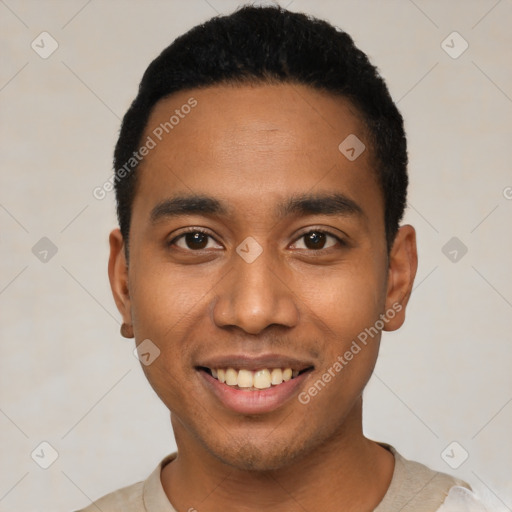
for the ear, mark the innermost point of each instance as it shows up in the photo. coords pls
(118, 275)
(403, 263)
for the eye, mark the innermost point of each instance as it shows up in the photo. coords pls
(317, 240)
(195, 240)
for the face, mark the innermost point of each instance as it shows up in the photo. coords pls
(258, 250)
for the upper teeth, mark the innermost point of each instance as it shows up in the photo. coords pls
(259, 379)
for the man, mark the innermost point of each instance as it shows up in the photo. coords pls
(261, 177)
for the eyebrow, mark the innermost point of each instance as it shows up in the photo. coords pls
(188, 205)
(303, 204)
(321, 204)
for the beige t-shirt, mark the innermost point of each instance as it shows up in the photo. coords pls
(414, 488)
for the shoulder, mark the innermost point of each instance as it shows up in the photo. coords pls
(140, 497)
(417, 488)
(127, 499)
(460, 498)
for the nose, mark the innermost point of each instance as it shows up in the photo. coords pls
(255, 295)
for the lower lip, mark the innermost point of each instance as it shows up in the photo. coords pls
(253, 402)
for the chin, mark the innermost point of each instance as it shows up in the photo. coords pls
(249, 456)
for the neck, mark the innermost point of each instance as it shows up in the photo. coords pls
(348, 469)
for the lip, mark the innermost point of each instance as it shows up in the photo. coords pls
(243, 361)
(252, 402)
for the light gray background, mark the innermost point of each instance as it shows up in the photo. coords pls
(68, 378)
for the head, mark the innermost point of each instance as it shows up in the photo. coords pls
(259, 228)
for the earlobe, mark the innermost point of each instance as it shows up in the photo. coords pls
(403, 263)
(118, 277)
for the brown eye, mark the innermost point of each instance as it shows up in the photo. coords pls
(194, 241)
(317, 240)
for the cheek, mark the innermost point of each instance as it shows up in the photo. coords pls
(165, 299)
(345, 306)
(347, 299)
(167, 309)
(163, 306)
(346, 315)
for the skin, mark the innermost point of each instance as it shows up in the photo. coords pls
(253, 147)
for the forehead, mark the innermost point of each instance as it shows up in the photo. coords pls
(281, 114)
(252, 144)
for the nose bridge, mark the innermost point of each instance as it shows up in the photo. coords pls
(253, 296)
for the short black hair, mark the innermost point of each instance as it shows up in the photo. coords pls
(270, 45)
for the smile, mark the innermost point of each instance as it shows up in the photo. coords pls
(249, 380)
(253, 384)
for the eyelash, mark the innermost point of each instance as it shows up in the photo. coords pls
(313, 230)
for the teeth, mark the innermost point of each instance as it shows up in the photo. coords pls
(245, 379)
(276, 377)
(259, 379)
(231, 377)
(262, 379)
